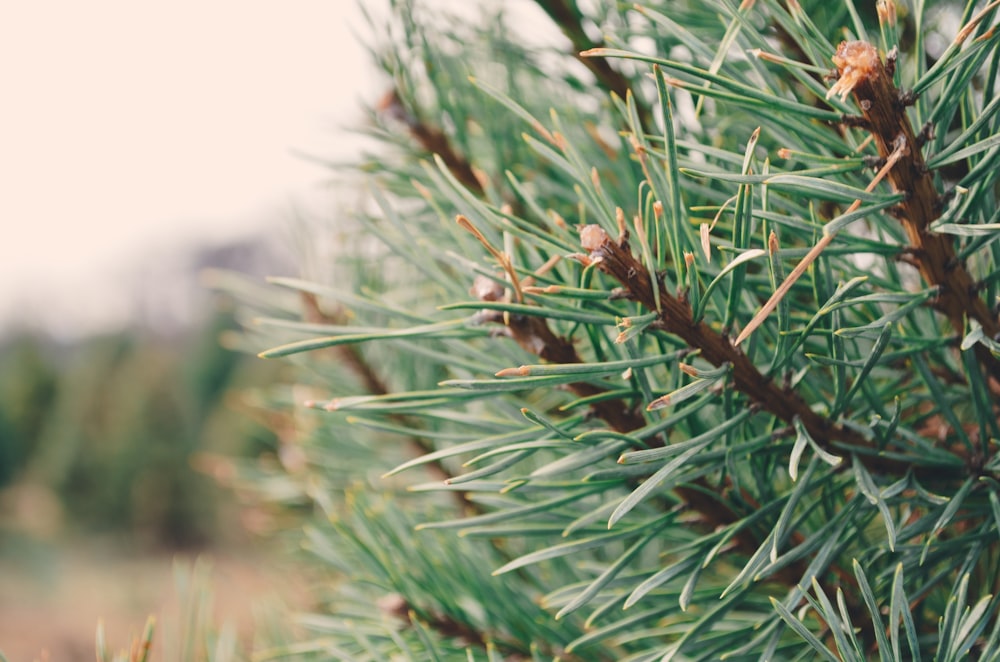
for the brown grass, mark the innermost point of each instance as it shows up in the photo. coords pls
(51, 598)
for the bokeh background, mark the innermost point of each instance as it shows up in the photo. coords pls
(140, 144)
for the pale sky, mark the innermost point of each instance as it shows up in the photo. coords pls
(130, 129)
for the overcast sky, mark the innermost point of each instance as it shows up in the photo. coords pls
(130, 130)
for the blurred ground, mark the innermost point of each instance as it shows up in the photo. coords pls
(51, 598)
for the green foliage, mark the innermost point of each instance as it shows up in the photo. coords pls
(27, 390)
(607, 475)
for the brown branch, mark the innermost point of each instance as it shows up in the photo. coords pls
(432, 140)
(532, 332)
(350, 357)
(397, 606)
(394, 604)
(535, 337)
(615, 259)
(566, 15)
(864, 75)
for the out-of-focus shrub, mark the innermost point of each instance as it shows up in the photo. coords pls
(99, 435)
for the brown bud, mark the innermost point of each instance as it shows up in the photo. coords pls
(486, 289)
(856, 61)
(592, 237)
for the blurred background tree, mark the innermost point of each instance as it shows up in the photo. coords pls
(99, 435)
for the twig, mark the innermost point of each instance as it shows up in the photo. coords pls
(535, 337)
(432, 140)
(568, 17)
(614, 258)
(863, 74)
(396, 605)
(810, 257)
(373, 383)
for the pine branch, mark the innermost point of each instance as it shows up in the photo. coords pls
(535, 337)
(863, 75)
(615, 259)
(533, 333)
(350, 356)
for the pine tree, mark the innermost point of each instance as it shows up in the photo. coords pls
(673, 338)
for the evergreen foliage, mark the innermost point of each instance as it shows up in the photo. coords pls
(549, 429)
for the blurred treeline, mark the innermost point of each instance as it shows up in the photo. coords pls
(103, 435)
